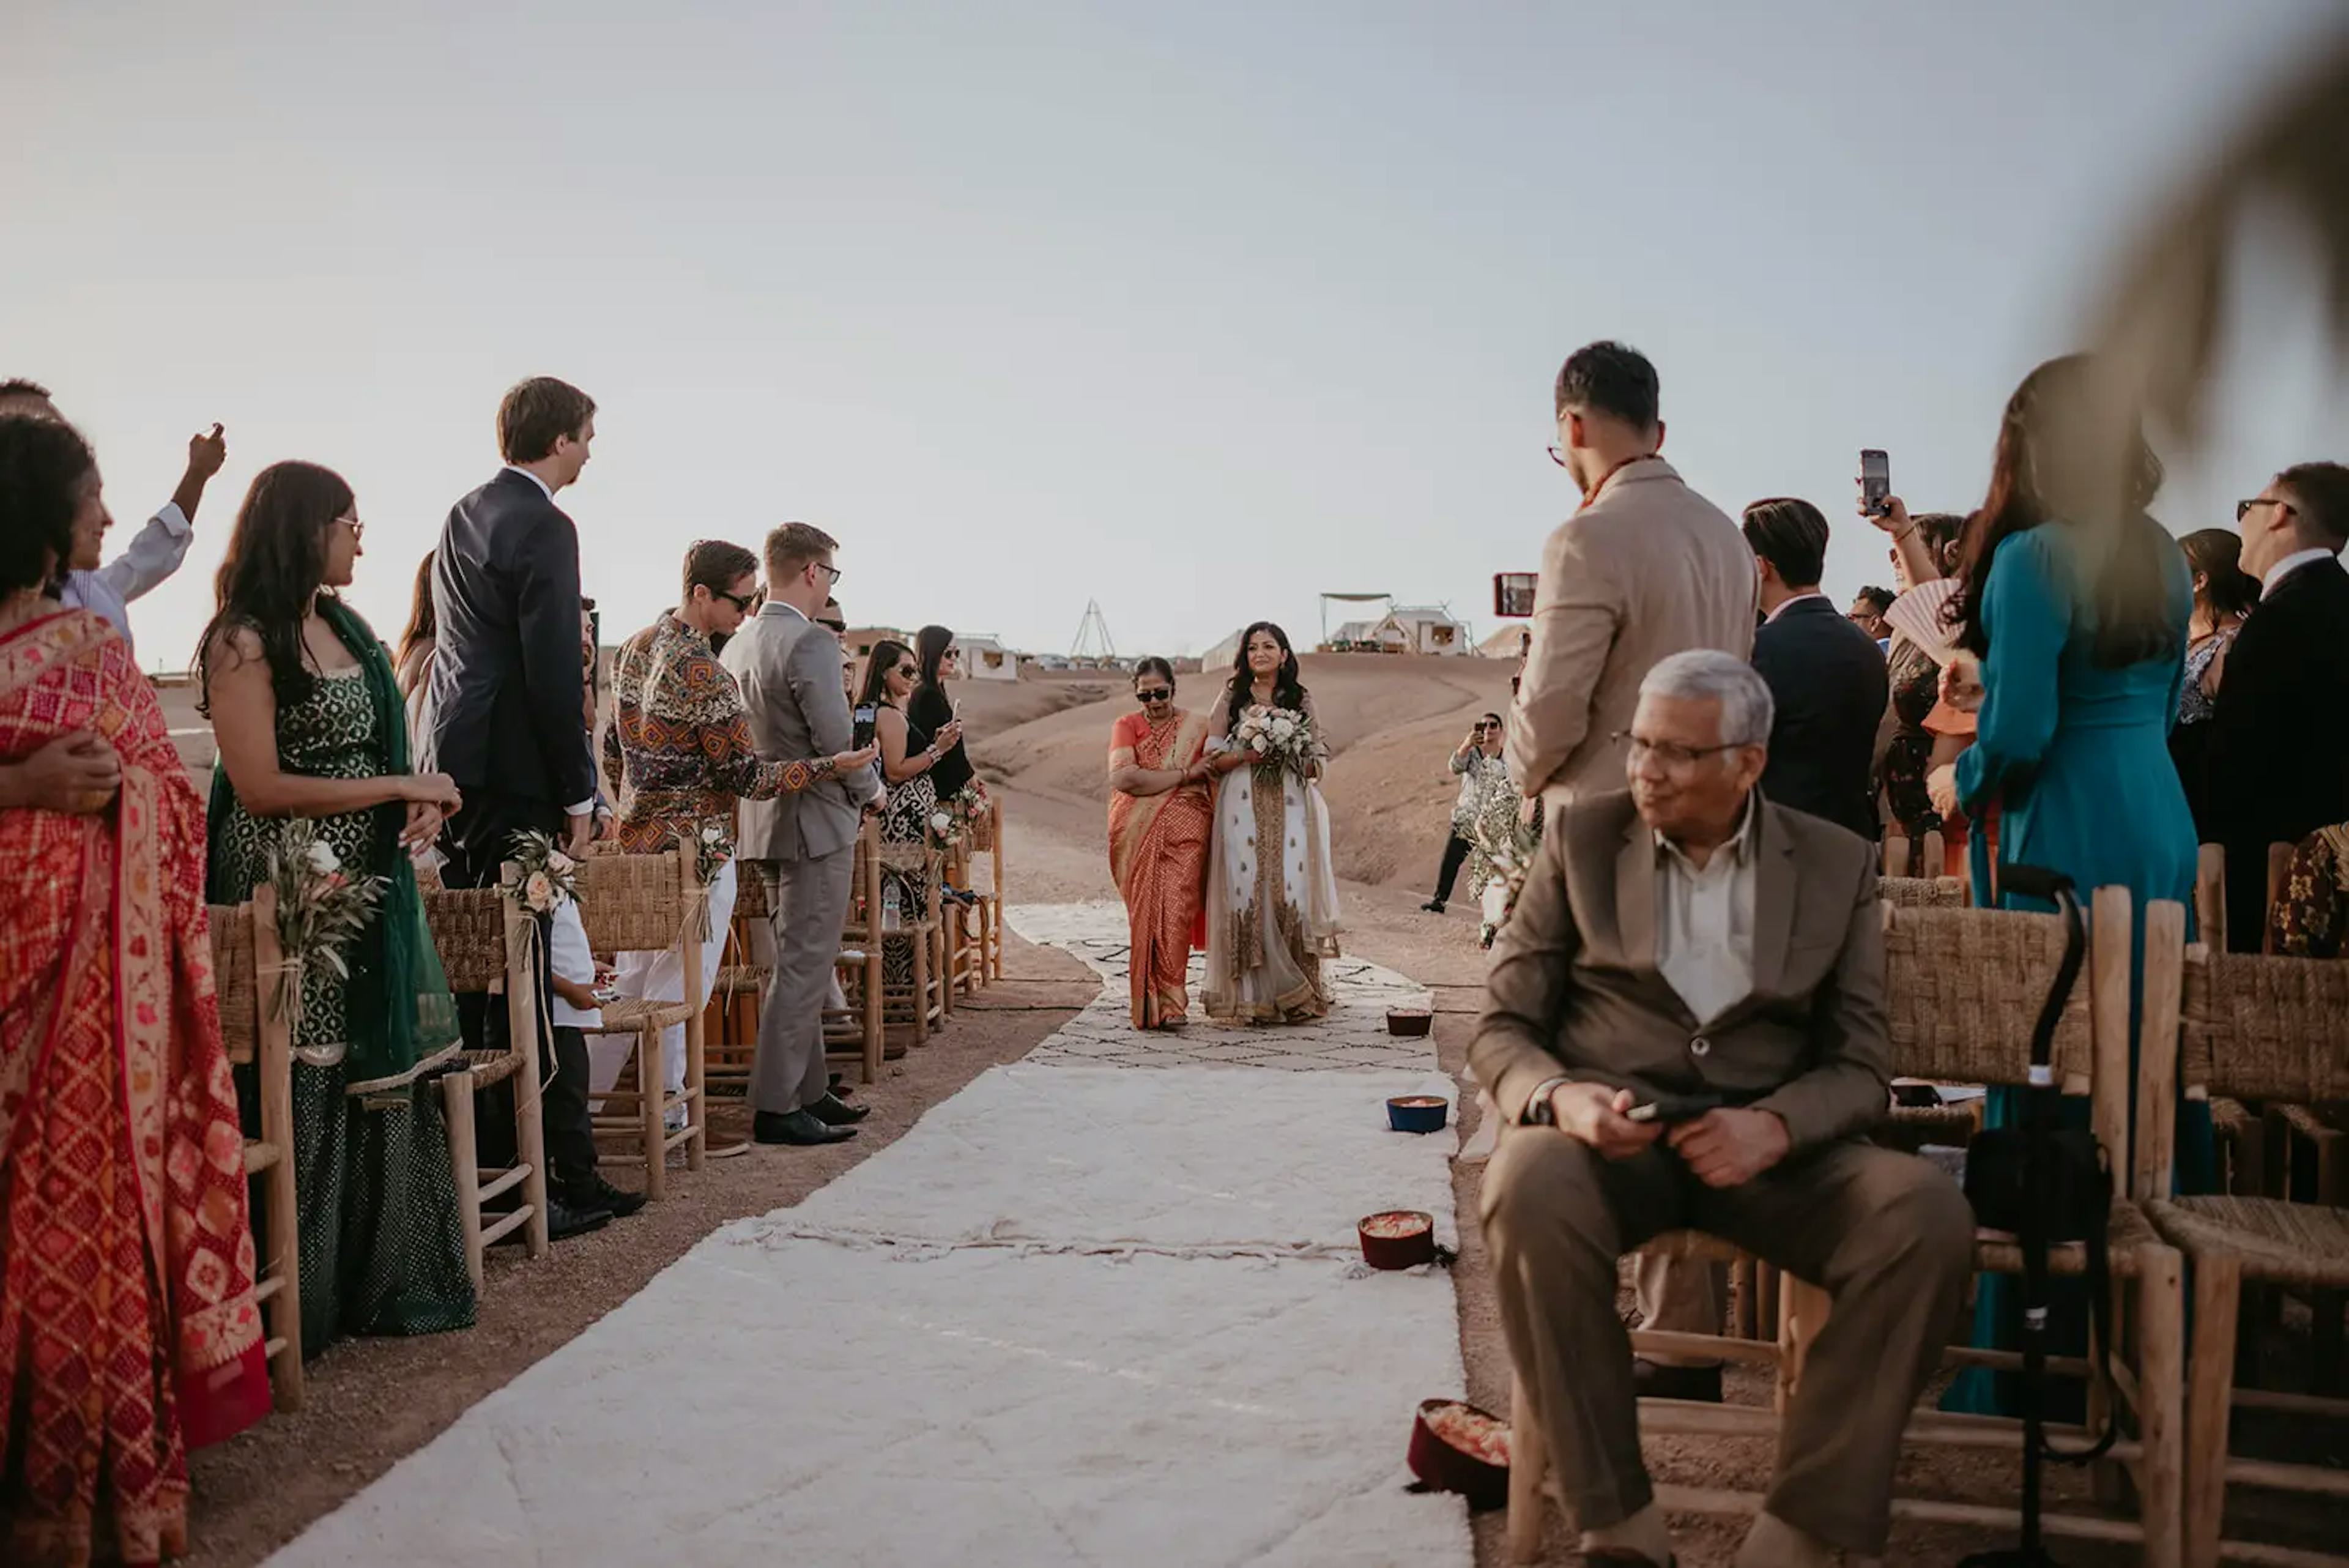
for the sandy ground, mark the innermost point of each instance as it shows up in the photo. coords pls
(1393, 720)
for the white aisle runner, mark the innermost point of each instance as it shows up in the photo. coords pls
(1079, 1315)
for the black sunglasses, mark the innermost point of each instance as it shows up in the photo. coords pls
(1156, 694)
(746, 604)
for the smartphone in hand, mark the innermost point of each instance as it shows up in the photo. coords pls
(1671, 1109)
(1875, 481)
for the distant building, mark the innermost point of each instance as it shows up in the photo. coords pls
(861, 638)
(985, 657)
(1509, 642)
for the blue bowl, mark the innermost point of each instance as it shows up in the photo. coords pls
(1418, 1113)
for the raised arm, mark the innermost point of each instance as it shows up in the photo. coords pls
(1577, 610)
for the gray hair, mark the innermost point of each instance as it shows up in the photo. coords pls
(1705, 674)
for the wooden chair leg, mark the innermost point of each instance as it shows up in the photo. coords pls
(2161, 1407)
(530, 1146)
(651, 1075)
(921, 946)
(457, 1108)
(1529, 1469)
(1744, 1324)
(2210, 1391)
(876, 1016)
(696, 1113)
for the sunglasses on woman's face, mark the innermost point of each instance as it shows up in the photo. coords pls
(907, 671)
(1156, 694)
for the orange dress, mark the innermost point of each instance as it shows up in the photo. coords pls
(128, 1332)
(1158, 855)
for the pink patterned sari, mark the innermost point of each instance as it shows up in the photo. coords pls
(1158, 855)
(129, 1330)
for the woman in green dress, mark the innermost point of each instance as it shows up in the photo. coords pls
(310, 723)
(2078, 609)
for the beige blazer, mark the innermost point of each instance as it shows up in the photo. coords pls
(1575, 990)
(1650, 569)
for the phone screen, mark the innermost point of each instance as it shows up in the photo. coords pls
(1875, 480)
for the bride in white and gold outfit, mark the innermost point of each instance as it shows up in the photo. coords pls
(1272, 897)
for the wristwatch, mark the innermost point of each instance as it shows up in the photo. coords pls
(1537, 1112)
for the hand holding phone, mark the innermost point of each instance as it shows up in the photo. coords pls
(1875, 481)
(1669, 1110)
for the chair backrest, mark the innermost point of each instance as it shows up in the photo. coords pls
(248, 969)
(637, 903)
(1922, 892)
(232, 976)
(2259, 1027)
(1963, 989)
(469, 931)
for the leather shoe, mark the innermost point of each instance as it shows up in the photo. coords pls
(1654, 1380)
(598, 1193)
(564, 1221)
(800, 1129)
(832, 1112)
(1433, 906)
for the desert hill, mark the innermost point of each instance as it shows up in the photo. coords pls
(1392, 722)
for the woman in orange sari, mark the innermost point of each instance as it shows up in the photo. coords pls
(1160, 819)
(128, 1332)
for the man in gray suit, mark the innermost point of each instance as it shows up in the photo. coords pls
(1684, 1028)
(789, 671)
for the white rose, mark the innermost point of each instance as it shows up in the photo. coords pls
(1282, 729)
(940, 823)
(323, 859)
(1261, 745)
(538, 892)
(560, 861)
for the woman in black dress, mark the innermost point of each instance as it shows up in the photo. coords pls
(930, 709)
(910, 758)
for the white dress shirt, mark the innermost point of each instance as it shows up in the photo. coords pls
(1797, 598)
(1704, 926)
(154, 554)
(2290, 564)
(542, 486)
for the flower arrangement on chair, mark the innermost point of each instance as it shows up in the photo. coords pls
(548, 875)
(321, 909)
(709, 849)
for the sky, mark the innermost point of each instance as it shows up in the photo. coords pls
(1198, 311)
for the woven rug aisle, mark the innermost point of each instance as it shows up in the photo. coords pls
(1080, 1314)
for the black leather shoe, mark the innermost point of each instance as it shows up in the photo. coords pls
(598, 1193)
(833, 1113)
(564, 1221)
(1433, 906)
(800, 1128)
(1654, 1380)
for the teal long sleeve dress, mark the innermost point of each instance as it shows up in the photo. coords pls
(2077, 758)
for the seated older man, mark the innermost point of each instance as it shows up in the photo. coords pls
(1684, 944)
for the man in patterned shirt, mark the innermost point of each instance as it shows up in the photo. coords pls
(678, 754)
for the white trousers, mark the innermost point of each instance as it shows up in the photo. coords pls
(660, 977)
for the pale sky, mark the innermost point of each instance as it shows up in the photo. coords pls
(1195, 309)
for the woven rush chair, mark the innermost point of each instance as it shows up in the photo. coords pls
(644, 903)
(484, 942)
(1964, 988)
(246, 964)
(859, 1030)
(738, 993)
(928, 1001)
(966, 927)
(2263, 1028)
(1922, 892)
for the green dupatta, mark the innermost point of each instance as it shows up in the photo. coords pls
(400, 1014)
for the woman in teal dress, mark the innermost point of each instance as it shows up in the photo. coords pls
(2081, 628)
(310, 723)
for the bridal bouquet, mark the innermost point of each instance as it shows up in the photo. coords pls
(1278, 739)
(321, 910)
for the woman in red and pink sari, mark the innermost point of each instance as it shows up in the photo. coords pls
(128, 1332)
(1159, 823)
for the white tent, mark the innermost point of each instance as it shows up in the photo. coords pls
(984, 657)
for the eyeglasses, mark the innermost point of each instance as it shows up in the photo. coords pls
(745, 604)
(358, 528)
(1156, 694)
(1670, 756)
(1481, 729)
(2244, 508)
(830, 571)
(1556, 455)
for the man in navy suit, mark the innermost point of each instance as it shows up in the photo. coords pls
(508, 694)
(1826, 674)
(2279, 758)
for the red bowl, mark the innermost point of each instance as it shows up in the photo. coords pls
(1397, 1238)
(1409, 1023)
(1457, 1448)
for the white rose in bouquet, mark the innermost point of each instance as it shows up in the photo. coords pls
(560, 862)
(1284, 729)
(940, 822)
(538, 891)
(323, 858)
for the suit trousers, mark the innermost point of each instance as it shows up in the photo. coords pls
(1889, 1239)
(811, 903)
(476, 840)
(1455, 855)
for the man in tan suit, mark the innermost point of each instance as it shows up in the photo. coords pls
(1645, 569)
(1689, 940)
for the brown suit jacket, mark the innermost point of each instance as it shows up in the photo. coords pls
(1575, 990)
(1651, 569)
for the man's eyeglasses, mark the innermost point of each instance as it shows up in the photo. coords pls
(746, 604)
(2244, 508)
(1156, 694)
(1674, 757)
(832, 572)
